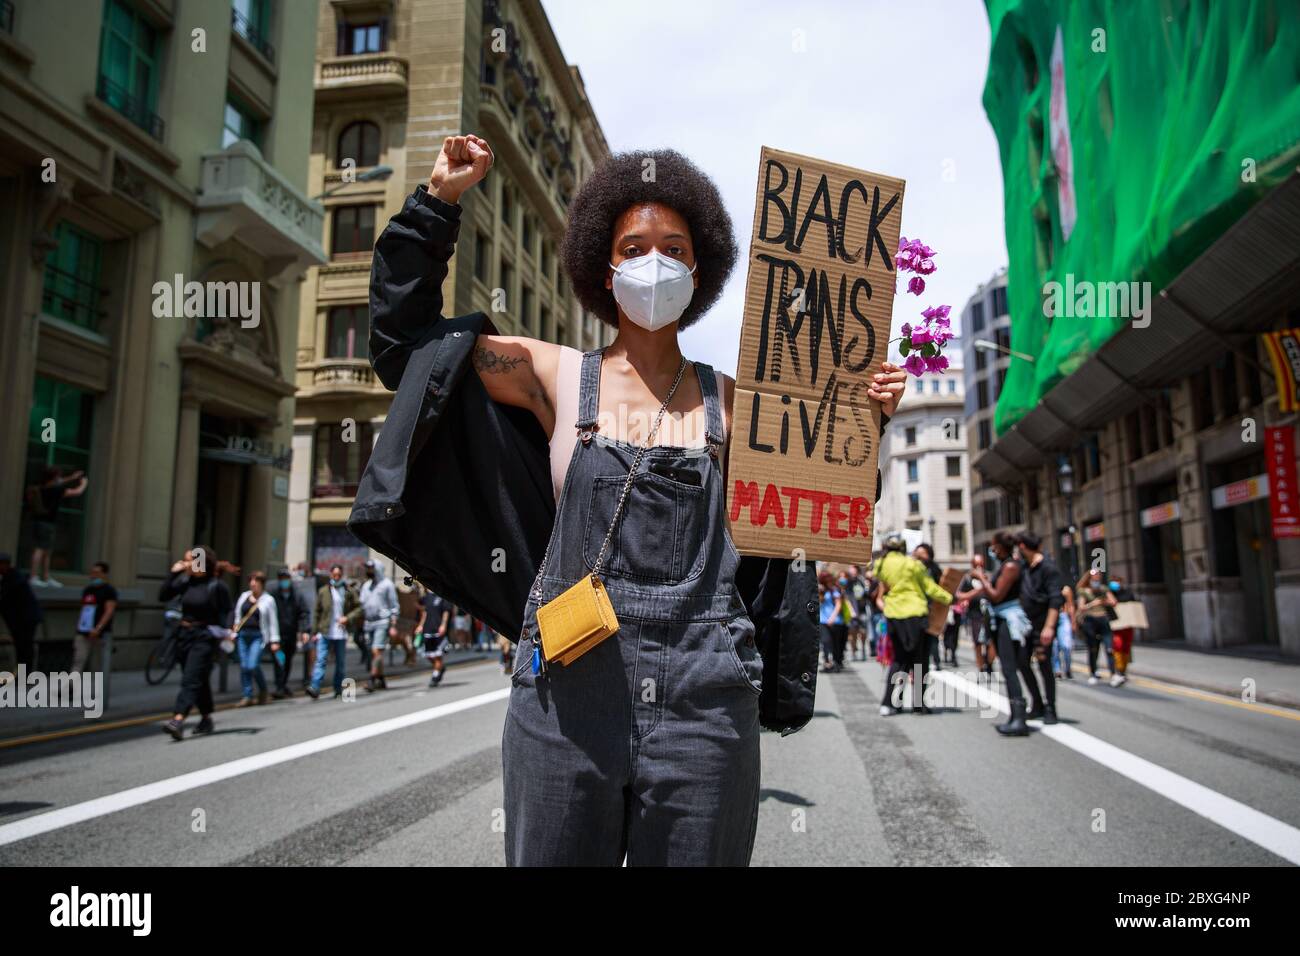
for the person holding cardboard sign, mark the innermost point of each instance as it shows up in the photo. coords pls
(632, 728)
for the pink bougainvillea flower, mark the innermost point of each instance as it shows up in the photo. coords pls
(915, 364)
(935, 363)
(906, 330)
(937, 312)
(921, 335)
(916, 285)
(925, 266)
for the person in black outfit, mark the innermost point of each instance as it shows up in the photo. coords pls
(1004, 587)
(1041, 597)
(205, 604)
(21, 611)
(295, 624)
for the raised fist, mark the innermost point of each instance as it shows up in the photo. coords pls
(464, 161)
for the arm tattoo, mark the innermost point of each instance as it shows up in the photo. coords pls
(485, 360)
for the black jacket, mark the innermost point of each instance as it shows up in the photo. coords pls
(458, 484)
(293, 612)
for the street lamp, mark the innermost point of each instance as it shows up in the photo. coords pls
(373, 174)
(985, 345)
(932, 531)
(1065, 478)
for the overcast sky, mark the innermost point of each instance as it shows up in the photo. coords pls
(888, 87)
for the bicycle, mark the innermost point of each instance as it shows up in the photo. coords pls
(162, 658)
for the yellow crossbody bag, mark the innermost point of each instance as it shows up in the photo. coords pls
(580, 618)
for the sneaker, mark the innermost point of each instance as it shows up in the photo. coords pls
(312, 692)
(38, 583)
(1117, 680)
(204, 727)
(245, 702)
(338, 694)
(887, 711)
(51, 583)
(1094, 680)
(433, 682)
(279, 694)
(175, 728)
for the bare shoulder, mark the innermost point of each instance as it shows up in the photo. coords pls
(728, 398)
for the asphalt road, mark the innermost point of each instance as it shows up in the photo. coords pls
(1142, 775)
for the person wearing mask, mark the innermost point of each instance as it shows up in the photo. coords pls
(294, 616)
(1042, 595)
(1012, 627)
(857, 589)
(380, 609)
(586, 756)
(98, 605)
(925, 554)
(21, 611)
(205, 617)
(831, 616)
(1121, 637)
(306, 583)
(257, 626)
(971, 590)
(434, 625)
(1092, 618)
(908, 587)
(1062, 650)
(337, 611)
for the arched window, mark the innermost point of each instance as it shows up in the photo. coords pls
(359, 141)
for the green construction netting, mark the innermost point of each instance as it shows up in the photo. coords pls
(1189, 101)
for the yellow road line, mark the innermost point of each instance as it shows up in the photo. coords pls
(152, 718)
(1211, 696)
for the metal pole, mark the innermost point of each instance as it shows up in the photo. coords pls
(1069, 521)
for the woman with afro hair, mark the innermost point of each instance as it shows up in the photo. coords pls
(646, 747)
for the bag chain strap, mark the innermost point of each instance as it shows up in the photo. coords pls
(627, 486)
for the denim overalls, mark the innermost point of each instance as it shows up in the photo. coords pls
(647, 744)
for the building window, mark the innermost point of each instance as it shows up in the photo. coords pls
(982, 393)
(72, 289)
(526, 307)
(1003, 339)
(990, 514)
(482, 249)
(239, 124)
(544, 326)
(526, 233)
(1000, 301)
(913, 470)
(339, 463)
(72, 410)
(128, 66)
(251, 19)
(909, 435)
(354, 230)
(1001, 378)
(546, 259)
(914, 503)
(954, 499)
(952, 466)
(507, 208)
(986, 434)
(349, 327)
(952, 386)
(357, 38)
(507, 281)
(934, 386)
(956, 538)
(981, 360)
(359, 142)
(977, 317)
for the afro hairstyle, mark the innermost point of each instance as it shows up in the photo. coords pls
(615, 186)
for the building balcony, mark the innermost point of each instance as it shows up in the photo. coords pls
(360, 77)
(343, 374)
(244, 197)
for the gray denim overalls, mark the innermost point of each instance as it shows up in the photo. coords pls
(647, 744)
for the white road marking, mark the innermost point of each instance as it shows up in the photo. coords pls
(90, 809)
(1259, 828)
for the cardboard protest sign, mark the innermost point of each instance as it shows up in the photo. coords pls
(1130, 614)
(949, 581)
(802, 466)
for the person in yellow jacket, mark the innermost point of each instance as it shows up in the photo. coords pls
(908, 590)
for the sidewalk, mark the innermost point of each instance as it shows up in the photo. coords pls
(1219, 671)
(132, 697)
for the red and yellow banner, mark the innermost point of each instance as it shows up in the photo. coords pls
(1284, 349)
(1279, 449)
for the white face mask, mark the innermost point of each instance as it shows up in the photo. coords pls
(653, 290)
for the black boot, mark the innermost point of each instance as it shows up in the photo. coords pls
(1016, 726)
(1049, 714)
(1036, 712)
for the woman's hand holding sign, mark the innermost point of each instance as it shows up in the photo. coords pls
(463, 162)
(887, 387)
